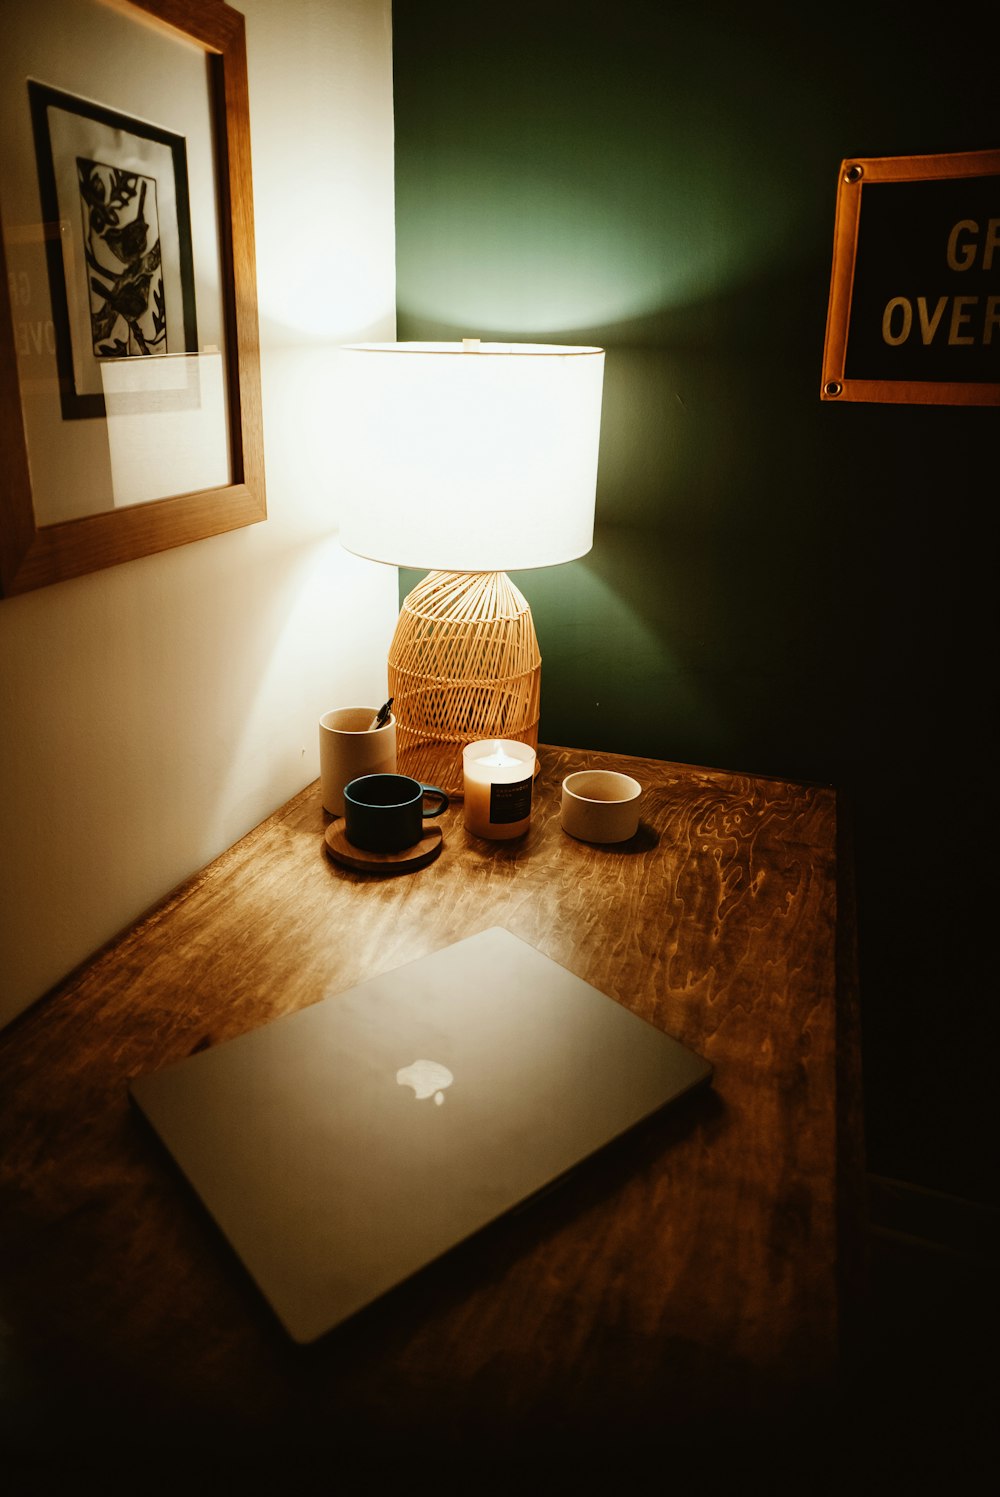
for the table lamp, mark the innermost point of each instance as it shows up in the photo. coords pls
(471, 460)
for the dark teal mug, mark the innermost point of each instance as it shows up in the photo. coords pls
(385, 812)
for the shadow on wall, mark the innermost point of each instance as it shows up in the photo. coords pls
(677, 647)
(777, 584)
(708, 622)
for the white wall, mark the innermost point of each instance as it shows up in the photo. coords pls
(152, 713)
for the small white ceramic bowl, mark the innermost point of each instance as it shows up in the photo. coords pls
(600, 805)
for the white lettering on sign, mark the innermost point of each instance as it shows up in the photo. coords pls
(962, 256)
(992, 318)
(959, 318)
(929, 325)
(967, 325)
(901, 304)
(965, 322)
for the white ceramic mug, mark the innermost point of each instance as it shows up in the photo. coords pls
(347, 750)
(600, 805)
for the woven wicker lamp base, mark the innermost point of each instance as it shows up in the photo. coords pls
(464, 664)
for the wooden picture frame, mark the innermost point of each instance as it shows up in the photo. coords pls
(914, 314)
(34, 554)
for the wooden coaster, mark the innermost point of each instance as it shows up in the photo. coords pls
(362, 861)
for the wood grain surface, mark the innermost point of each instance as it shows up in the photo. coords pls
(686, 1281)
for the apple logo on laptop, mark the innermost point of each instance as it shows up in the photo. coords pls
(428, 1079)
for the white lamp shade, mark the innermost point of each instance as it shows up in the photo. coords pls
(467, 457)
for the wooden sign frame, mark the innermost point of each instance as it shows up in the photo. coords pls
(936, 311)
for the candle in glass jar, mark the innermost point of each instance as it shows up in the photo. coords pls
(498, 775)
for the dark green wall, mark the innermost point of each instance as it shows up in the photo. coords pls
(777, 584)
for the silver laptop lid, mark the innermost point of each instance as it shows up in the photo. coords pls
(343, 1147)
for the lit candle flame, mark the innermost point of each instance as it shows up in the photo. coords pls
(498, 759)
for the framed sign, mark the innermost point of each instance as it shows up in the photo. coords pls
(130, 402)
(914, 312)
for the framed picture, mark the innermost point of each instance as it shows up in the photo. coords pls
(914, 310)
(120, 188)
(130, 415)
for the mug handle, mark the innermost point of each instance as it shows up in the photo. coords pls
(433, 790)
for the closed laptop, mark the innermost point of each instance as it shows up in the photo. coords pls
(342, 1148)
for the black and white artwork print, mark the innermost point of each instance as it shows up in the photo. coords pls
(121, 240)
(121, 273)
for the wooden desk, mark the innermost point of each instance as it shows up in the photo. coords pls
(688, 1280)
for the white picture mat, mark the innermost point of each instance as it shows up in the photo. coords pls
(166, 426)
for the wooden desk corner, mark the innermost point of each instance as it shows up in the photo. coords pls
(691, 1275)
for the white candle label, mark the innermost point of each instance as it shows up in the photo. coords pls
(510, 802)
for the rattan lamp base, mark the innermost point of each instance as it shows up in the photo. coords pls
(464, 664)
